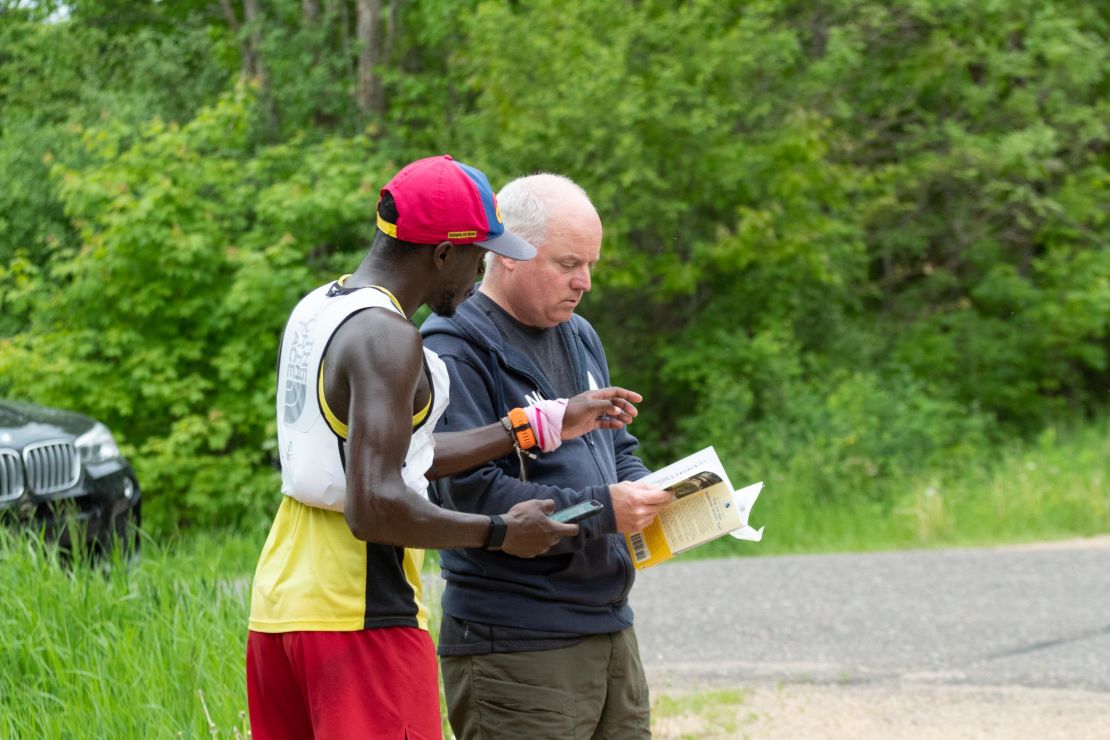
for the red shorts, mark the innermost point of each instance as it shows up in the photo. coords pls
(375, 683)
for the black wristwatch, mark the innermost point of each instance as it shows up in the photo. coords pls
(496, 536)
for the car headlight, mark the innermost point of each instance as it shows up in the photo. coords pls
(97, 445)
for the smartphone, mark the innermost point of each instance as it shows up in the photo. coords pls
(578, 512)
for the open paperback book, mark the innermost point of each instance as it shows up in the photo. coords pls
(705, 507)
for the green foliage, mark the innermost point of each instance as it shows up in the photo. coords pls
(54, 79)
(61, 72)
(849, 243)
(841, 240)
(33, 225)
(165, 322)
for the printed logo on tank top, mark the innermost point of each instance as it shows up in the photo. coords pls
(297, 371)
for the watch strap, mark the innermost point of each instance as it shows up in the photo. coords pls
(497, 531)
(522, 429)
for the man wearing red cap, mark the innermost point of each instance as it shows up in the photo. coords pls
(338, 643)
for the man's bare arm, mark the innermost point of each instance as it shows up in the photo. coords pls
(375, 383)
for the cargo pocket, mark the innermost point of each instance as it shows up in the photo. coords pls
(509, 709)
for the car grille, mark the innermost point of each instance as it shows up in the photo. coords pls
(51, 466)
(11, 475)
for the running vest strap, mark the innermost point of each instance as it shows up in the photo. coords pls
(311, 440)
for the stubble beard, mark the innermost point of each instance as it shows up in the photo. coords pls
(446, 304)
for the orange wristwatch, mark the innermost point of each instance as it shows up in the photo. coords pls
(521, 429)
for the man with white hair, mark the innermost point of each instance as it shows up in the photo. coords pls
(544, 647)
(338, 644)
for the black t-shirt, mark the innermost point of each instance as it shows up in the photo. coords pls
(546, 347)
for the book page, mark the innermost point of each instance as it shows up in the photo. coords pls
(705, 507)
(699, 515)
(745, 499)
(700, 462)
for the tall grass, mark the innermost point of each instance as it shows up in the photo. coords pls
(155, 648)
(1054, 487)
(107, 649)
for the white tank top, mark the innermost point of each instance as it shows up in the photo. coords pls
(312, 446)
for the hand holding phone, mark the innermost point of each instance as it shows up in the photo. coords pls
(578, 512)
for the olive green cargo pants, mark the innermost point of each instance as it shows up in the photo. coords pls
(595, 689)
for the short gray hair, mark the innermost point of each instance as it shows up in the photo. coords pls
(526, 203)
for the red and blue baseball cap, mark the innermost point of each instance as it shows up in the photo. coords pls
(439, 199)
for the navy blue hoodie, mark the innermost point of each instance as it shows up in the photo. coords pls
(581, 585)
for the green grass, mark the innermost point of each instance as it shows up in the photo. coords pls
(150, 650)
(156, 649)
(697, 714)
(1056, 487)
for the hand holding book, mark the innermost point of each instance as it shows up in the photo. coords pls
(704, 508)
(637, 503)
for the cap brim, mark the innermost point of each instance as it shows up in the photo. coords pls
(509, 245)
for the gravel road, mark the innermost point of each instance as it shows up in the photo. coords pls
(1009, 642)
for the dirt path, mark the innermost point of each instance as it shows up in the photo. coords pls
(796, 712)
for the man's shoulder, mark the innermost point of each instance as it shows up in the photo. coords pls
(391, 333)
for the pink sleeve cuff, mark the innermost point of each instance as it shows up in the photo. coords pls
(546, 418)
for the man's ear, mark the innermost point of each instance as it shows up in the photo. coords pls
(443, 254)
(505, 263)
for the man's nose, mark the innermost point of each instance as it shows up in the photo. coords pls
(581, 280)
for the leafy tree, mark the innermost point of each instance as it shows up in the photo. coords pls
(812, 208)
(165, 322)
(56, 77)
(846, 241)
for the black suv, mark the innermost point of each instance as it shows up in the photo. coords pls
(59, 468)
